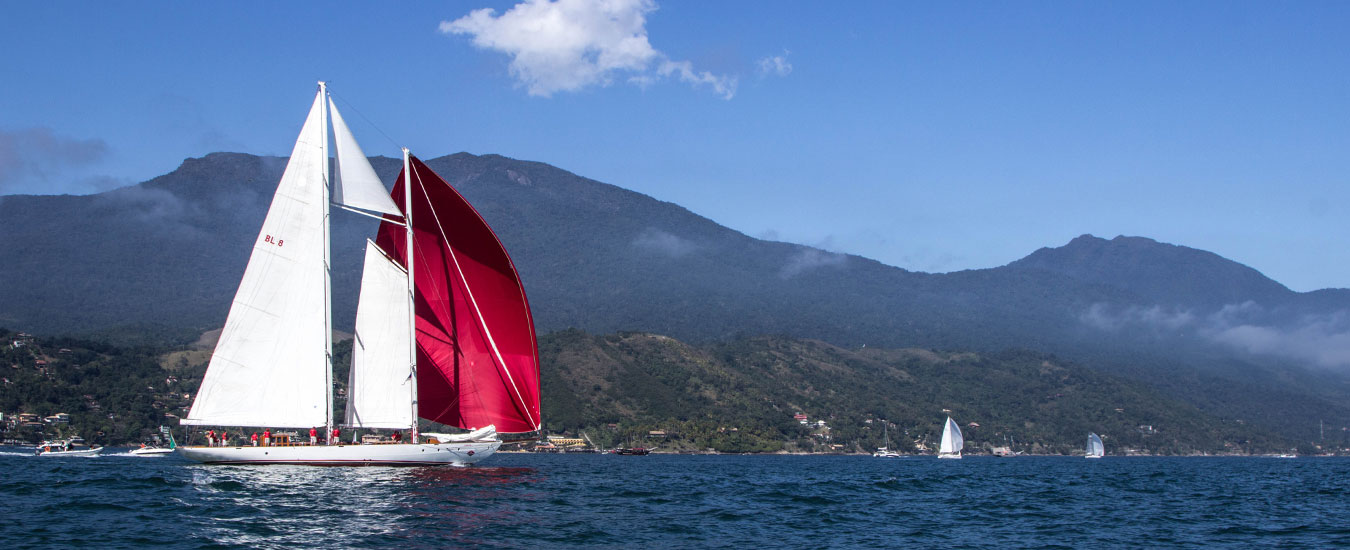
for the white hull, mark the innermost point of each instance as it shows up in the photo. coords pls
(953, 456)
(152, 451)
(1093, 456)
(83, 452)
(885, 453)
(397, 454)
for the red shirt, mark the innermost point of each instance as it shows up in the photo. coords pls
(313, 432)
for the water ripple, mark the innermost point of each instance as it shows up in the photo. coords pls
(596, 501)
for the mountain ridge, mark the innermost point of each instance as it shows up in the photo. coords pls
(161, 260)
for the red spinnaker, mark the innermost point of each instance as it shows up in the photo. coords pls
(477, 359)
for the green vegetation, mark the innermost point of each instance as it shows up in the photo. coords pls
(113, 395)
(736, 397)
(741, 396)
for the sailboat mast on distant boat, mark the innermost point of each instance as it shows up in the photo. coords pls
(465, 317)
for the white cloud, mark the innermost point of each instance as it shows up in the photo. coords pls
(807, 259)
(775, 65)
(1322, 340)
(568, 45)
(661, 242)
(39, 161)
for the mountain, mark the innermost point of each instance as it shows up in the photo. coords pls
(161, 261)
(741, 395)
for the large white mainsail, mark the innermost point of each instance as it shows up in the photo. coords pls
(952, 442)
(380, 389)
(270, 367)
(355, 183)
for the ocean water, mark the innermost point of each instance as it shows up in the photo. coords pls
(607, 501)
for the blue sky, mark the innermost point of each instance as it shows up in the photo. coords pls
(934, 137)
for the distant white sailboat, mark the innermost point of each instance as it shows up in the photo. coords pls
(1094, 446)
(952, 442)
(886, 452)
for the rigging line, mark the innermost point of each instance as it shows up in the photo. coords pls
(363, 117)
(524, 407)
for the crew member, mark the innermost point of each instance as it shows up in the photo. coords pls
(337, 437)
(313, 436)
(267, 437)
(255, 439)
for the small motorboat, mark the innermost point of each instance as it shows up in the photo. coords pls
(151, 450)
(74, 446)
(154, 449)
(631, 451)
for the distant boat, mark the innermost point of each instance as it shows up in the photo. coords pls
(154, 449)
(951, 440)
(638, 451)
(1094, 447)
(886, 452)
(443, 329)
(74, 446)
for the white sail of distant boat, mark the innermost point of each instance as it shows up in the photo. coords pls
(951, 440)
(1094, 446)
(462, 316)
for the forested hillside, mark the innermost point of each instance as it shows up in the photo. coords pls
(737, 396)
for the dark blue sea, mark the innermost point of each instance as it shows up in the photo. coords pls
(607, 501)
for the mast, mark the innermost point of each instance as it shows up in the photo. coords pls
(327, 270)
(412, 289)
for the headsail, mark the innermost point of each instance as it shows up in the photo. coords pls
(270, 365)
(380, 386)
(355, 183)
(952, 442)
(478, 362)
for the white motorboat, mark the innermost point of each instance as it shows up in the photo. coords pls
(74, 446)
(155, 449)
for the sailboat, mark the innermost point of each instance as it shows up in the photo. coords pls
(951, 440)
(886, 452)
(443, 327)
(1094, 447)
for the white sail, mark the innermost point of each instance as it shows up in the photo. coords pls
(951, 438)
(270, 366)
(380, 388)
(1094, 446)
(355, 183)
